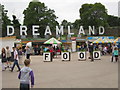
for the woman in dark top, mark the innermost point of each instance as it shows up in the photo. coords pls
(3, 56)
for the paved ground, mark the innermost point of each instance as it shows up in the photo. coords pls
(74, 74)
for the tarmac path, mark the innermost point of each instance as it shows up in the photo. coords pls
(71, 74)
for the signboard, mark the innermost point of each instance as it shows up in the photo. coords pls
(80, 39)
(66, 56)
(73, 46)
(7, 41)
(73, 38)
(96, 55)
(90, 38)
(81, 55)
(47, 57)
(64, 41)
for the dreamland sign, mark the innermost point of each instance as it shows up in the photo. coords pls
(59, 31)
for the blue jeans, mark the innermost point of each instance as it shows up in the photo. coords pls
(16, 63)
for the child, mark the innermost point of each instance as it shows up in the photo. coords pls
(26, 74)
(116, 53)
(3, 55)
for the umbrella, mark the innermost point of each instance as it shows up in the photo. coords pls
(29, 44)
(52, 41)
(106, 40)
(117, 40)
(99, 40)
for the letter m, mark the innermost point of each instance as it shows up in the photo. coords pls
(59, 31)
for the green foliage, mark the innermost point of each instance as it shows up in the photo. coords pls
(77, 24)
(93, 15)
(38, 14)
(15, 22)
(113, 21)
(16, 26)
(65, 23)
(5, 21)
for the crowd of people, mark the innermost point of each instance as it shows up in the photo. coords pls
(111, 49)
(15, 56)
(54, 50)
(26, 74)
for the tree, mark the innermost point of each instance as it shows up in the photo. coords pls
(93, 15)
(38, 14)
(5, 21)
(77, 24)
(113, 21)
(65, 23)
(16, 25)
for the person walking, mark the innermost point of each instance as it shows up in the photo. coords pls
(20, 56)
(100, 48)
(15, 60)
(116, 53)
(113, 48)
(91, 52)
(78, 48)
(8, 56)
(26, 75)
(27, 52)
(3, 56)
(105, 49)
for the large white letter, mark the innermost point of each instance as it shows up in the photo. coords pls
(69, 33)
(8, 30)
(103, 30)
(91, 30)
(59, 31)
(81, 30)
(47, 31)
(35, 29)
(23, 29)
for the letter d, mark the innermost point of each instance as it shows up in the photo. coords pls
(8, 30)
(101, 30)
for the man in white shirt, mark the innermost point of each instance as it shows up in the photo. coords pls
(15, 59)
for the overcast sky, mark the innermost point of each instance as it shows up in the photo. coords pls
(64, 9)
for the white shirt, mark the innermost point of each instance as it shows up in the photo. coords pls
(8, 53)
(16, 53)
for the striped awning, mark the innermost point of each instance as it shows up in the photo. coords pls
(100, 40)
(52, 41)
(116, 40)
